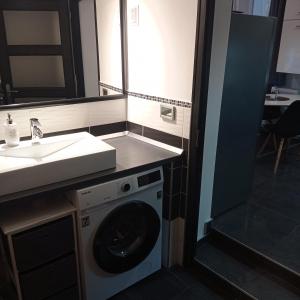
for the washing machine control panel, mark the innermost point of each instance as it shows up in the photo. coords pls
(149, 178)
(92, 196)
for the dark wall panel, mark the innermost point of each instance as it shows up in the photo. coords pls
(246, 76)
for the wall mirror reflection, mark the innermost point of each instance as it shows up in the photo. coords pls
(59, 49)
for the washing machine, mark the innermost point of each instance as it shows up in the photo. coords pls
(119, 232)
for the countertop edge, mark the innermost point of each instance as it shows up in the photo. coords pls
(87, 180)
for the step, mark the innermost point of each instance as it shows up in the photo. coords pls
(250, 280)
(265, 236)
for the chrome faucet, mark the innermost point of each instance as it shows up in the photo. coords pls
(36, 132)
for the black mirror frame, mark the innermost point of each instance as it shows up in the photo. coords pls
(124, 52)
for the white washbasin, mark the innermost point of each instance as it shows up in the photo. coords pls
(53, 160)
(40, 150)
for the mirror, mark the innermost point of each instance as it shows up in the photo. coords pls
(54, 51)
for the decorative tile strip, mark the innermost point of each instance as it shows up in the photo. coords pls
(161, 100)
(113, 88)
(148, 97)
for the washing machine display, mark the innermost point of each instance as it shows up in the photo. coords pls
(126, 237)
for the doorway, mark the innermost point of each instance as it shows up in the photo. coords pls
(229, 238)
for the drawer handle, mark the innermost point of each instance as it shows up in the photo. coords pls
(297, 27)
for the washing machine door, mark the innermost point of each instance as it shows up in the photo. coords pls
(126, 237)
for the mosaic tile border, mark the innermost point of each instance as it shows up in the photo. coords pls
(148, 97)
(113, 88)
(161, 100)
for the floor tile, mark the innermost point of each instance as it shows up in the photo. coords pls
(270, 221)
(174, 284)
(249, 277)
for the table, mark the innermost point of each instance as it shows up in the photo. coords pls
(282, 103)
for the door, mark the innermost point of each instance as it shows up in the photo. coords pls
(36, 60)
(245, 83)
(126, 237)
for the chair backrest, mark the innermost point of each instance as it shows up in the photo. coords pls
(289, 123)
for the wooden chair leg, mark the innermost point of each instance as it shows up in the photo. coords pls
(261, 150)
(279, 153)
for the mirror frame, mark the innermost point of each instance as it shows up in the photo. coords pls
(124, 53)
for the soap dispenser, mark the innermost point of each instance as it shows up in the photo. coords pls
(11, 134)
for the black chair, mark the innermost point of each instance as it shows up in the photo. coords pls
(287, 127)
(271, 113)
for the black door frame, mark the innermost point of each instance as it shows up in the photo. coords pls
(204, 34)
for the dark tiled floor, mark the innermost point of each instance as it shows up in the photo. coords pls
(174, 284)
(270, 221)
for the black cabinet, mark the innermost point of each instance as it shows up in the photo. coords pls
(49, 279)
(43, 260)
(69, 294)
(43, 244)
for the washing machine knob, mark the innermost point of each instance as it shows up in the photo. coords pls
(126, 187)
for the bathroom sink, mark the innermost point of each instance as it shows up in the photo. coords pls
(52, 160)
(36, 151)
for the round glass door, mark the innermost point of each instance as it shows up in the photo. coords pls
(126, 237)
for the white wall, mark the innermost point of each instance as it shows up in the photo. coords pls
(89, 47)
(161, 48)
(216, 81)
(67, 117)
(161, 60)
(109, 42)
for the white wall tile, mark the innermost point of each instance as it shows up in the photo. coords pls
(186, 122)
(147, 113)
(60, 118)
(106, 112)
(67, 117)
(161, 48)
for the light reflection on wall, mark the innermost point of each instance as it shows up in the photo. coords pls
(161, 47)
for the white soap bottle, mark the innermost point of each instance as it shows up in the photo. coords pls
(11, 134)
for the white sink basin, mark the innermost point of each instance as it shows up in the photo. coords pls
(40, 150)
(53, 160)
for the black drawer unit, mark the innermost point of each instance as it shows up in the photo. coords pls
(69, 294)
(43, 244)
(40, 241)
(50, 279)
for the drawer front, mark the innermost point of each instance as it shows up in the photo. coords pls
(292, 10)
(69, 294)
(43, 244)
(50, 279)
